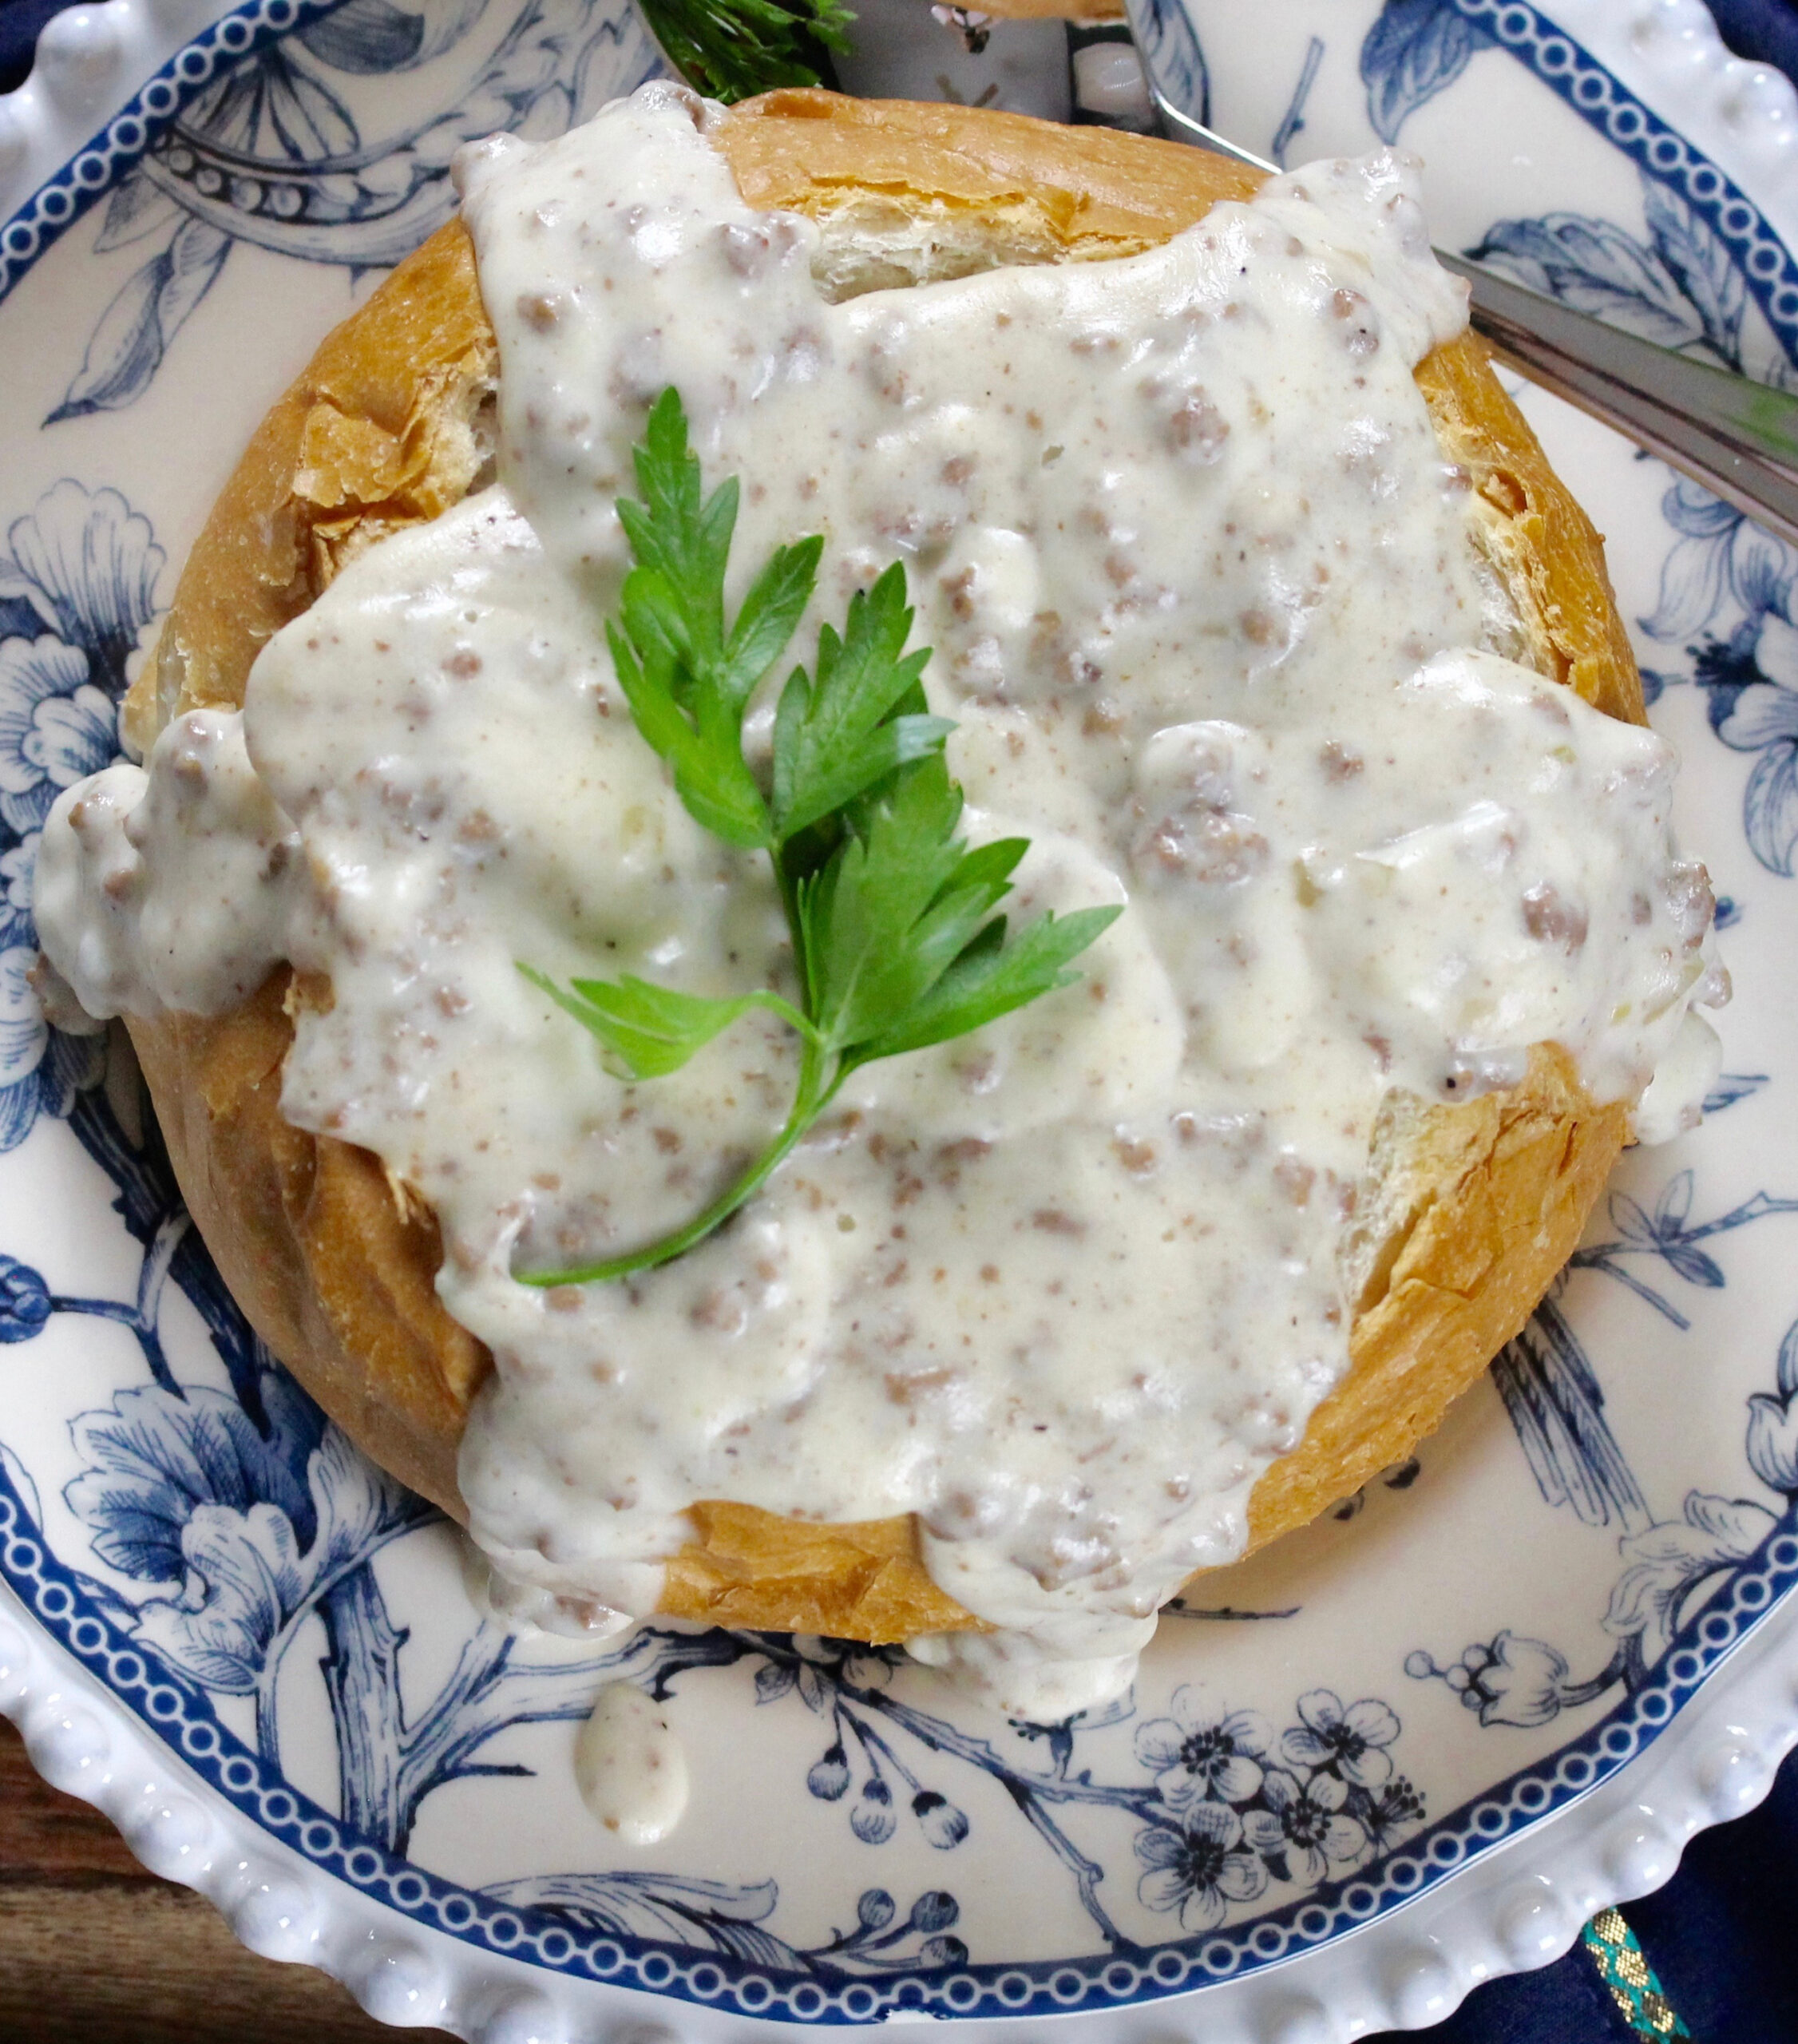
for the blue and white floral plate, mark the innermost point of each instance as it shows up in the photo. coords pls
(1409, 1749)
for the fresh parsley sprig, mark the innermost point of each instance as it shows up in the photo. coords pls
(895, 942)
(731, 49)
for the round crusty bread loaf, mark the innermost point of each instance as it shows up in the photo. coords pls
(1466, 1212)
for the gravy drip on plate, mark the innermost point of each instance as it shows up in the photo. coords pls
(1208, 609)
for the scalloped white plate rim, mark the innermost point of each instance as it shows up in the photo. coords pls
(1518, 1904)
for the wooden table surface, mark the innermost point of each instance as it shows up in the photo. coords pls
(94, 1948)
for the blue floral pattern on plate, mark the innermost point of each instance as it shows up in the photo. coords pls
(187, 1521)
(78, 584)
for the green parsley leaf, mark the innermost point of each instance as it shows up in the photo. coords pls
(770, 616)
(714, 783)
(895, 940)
(991, 978)
(645, 1031)
(892, 910)
(835, 738)
(687, 679)
(733, 49)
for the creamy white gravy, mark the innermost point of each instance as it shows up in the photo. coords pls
(1207, 608)
(630, 1766)
(172, 888)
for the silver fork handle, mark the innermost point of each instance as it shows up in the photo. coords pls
(1737, 437)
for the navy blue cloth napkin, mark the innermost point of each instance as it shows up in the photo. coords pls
(20, 21)
(1714, 1954)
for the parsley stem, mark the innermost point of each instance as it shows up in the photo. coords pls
(809, 1102)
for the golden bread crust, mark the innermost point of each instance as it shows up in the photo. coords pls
(1071, 10)
(336, 1269)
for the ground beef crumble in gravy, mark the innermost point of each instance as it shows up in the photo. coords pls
(1206, 607)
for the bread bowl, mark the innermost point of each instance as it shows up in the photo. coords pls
(1465, 1211)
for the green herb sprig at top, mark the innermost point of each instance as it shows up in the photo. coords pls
(894, 943)
(731, 49)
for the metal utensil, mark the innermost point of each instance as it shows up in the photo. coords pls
(1737, 437)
